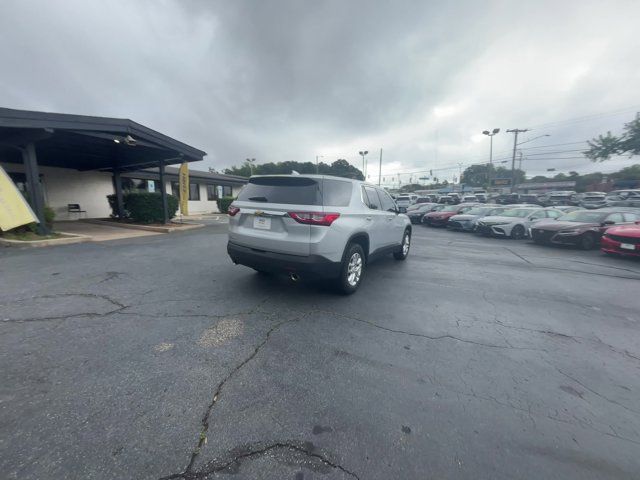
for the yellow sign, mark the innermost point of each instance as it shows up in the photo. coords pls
(14, 209)
(184, 188)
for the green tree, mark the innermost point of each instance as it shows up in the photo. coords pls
(339, 168)
(342, 168)
(603, 147)
(539, 179)
(627, 173)
(476, 175)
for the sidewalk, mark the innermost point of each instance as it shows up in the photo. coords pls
(99, 233)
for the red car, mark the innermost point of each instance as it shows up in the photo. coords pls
(622, 240)
(441, 217)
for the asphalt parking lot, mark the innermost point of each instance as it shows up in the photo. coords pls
(477, 358)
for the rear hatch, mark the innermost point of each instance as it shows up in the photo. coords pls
(264, 221)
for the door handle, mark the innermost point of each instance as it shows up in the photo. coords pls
(368, 219)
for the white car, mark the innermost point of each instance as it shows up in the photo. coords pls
(515, 222)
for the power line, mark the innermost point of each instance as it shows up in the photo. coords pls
(586, 118)
(554, 145)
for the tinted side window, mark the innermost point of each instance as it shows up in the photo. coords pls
(553, 214)
(615, 217)
(630, 217)
(336, 193)
(286, 190)
(374, 201)
(387, 202)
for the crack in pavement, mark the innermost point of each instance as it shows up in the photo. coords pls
(216, 394)
(119, 307)
(518, 255)
(529, 266)
(597, 394)
(553, 333)
(229, 466)
(424, 335)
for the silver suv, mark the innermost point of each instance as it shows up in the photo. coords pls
(315, 226)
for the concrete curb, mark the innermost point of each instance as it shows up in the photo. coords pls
(149, 228)
(71, 239)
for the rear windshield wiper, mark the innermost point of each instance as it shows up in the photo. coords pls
(258, 199)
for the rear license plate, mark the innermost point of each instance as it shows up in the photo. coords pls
(628, 246)
(262, 223)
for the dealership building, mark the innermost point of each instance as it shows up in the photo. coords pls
(78, 160)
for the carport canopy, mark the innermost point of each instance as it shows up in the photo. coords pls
(86, 143)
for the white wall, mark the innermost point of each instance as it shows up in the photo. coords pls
(63, 186)
(203, 205)
(90, 189)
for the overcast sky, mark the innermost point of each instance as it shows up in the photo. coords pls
(289, 80)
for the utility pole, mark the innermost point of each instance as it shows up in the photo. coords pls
(515, 131)
(520, 160)
(380, 169)
(317, 165)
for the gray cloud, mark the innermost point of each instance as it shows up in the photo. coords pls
(290, 80)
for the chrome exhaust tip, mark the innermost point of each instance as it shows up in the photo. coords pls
(294, 277)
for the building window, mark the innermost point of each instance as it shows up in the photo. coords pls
(194, 191)
(212, 192)
(226, 191)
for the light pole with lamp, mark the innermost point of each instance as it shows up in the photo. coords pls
(250, 161)
(490, 135)
(362, 154)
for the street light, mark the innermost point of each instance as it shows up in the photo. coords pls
(534, 138)
(362, 154)
(250, 161)
(490, 135)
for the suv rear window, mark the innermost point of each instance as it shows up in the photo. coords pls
(336, 193)
(297, 191)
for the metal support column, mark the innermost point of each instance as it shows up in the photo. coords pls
(117, 180)
(163, 192)
(36, 198)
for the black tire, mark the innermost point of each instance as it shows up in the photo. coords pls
(518, 232)
(346, 283)
(588, 241)
(402, 254)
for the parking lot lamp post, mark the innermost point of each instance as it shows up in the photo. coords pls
(251, 161)
(362, 154)
(490, 135)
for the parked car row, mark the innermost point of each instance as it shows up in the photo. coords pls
(588, 200)
(616, 230)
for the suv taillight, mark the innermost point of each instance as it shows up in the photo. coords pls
(314, 218)
(232, 210)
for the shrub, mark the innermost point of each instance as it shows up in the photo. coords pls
(223, 204)
(49, 216)
(144, 207)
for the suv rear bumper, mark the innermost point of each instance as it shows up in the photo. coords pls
(312, 266)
